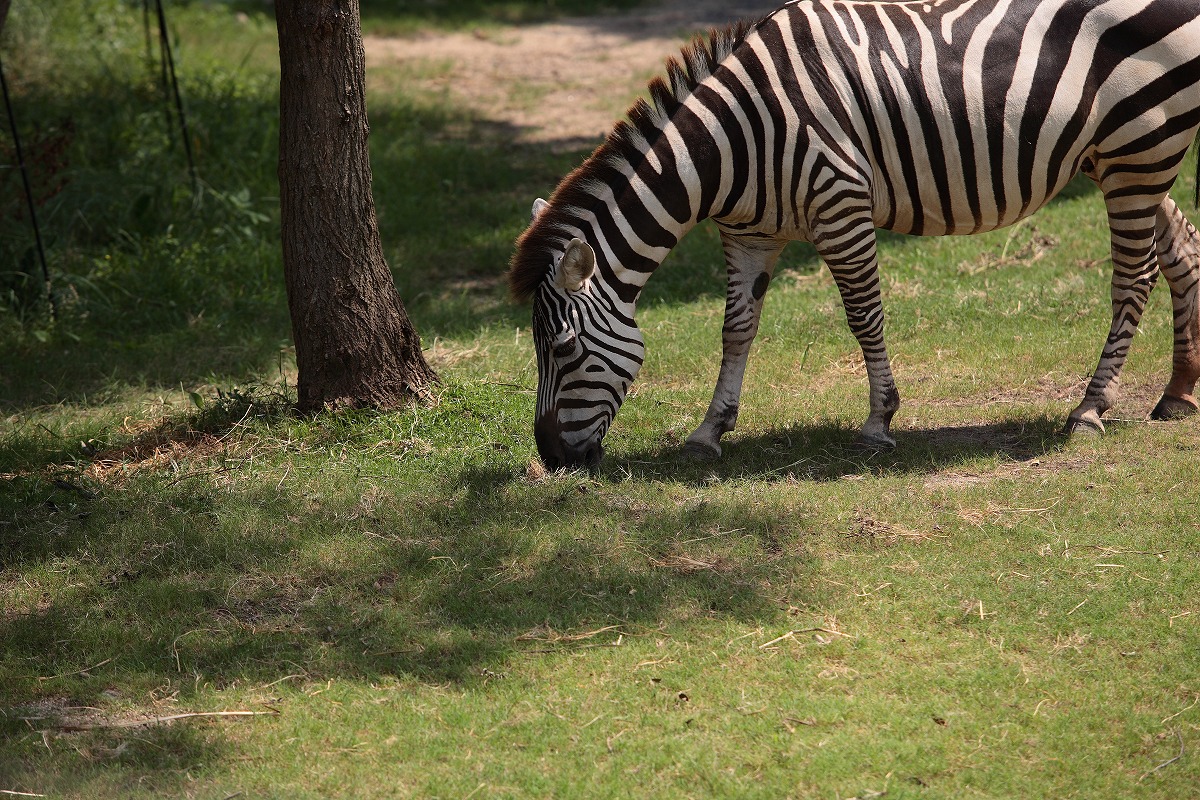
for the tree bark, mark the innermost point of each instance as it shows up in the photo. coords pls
(355, 345)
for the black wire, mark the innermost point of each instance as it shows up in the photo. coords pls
(37, 231)
(170, 64)
(146, 27)
(164, 81)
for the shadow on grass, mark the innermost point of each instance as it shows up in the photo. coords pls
(436, 584)
(178, 581)
(830, 452)
(236, 588)
(368, 577)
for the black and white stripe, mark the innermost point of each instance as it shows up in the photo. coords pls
(829, 119)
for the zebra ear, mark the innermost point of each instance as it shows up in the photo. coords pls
(577, 265)
(539, 206)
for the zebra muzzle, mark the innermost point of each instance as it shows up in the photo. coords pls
(557, 454)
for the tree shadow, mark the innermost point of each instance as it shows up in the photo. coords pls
(437, 590)
(411, 599)
(436, 584)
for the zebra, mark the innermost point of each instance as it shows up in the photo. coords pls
(828, 119)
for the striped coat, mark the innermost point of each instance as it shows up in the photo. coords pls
(829, 119)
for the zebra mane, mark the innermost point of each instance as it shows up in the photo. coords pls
(628, 141)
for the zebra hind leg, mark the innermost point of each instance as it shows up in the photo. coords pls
(750, 261)
(855, 270)
(1135, 271)
(1178, 247)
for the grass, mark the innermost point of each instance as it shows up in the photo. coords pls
(403, 17)
(989, 611)
(410, 17)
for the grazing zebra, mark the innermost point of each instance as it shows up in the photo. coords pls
(829, 119)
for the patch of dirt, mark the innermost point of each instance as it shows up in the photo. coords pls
(158, 445)
(562, 83)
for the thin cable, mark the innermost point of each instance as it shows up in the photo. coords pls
(37, 231)
(146, 28)
(170, 61)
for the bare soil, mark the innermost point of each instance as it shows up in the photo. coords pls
(563, 83)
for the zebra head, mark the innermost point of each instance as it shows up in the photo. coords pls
(588, 353)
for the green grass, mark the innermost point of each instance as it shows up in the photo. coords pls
(410, 17)
(401, 17)
(988, 611)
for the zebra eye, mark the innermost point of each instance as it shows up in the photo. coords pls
(565, 345)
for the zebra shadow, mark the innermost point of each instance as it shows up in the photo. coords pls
(832, 451)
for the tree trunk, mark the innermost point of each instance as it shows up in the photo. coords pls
(355, 345)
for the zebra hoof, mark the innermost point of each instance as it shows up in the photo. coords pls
(1083, 426)
(879, 443)
(1170, 408)
(701, 451)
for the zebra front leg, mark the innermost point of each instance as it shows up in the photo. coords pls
(856, 271)
(1135, 271)
(750, 262)
(1178, 248)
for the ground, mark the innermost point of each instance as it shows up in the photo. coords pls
(561, 83)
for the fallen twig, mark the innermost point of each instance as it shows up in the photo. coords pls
(138, 723)
(713, 536)
(1116, 551)
(550, 635)
(175, 644)
(20, 794)
(1169, 761)
(1177, 713)
(83, 671)
(683, 563)
(197, 474)
(792, 635)
(281, 680)
(475, 791)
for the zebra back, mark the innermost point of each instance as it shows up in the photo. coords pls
(628, 142)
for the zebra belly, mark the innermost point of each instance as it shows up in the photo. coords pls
(929, 219)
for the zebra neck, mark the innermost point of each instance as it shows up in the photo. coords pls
(642, 208)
